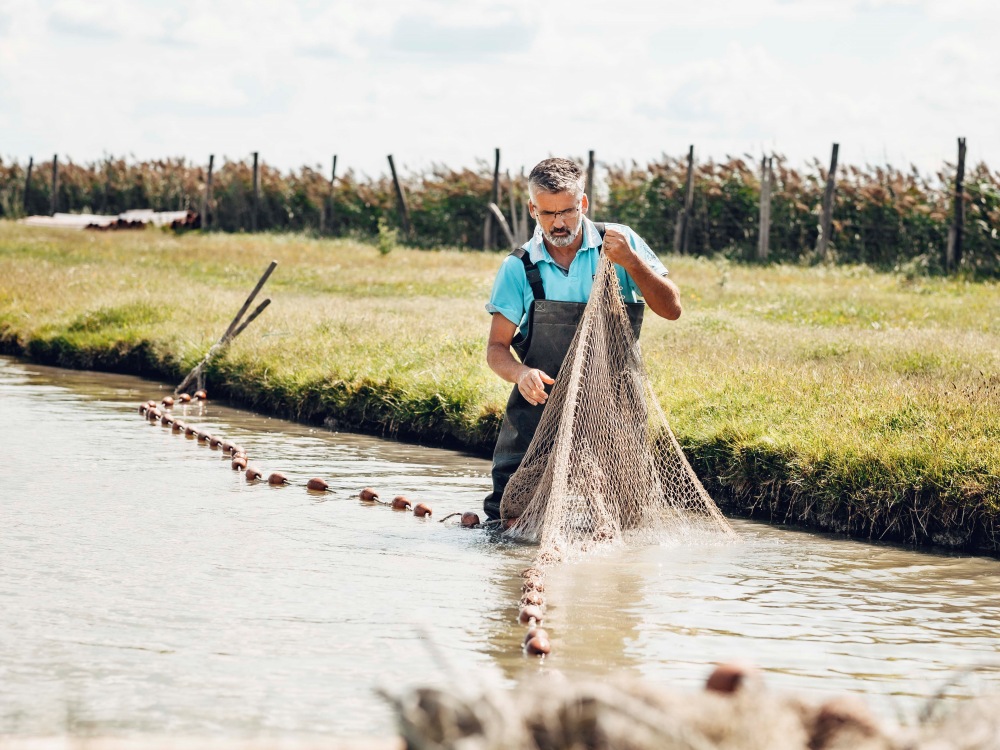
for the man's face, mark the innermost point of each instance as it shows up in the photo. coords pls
(560, 216)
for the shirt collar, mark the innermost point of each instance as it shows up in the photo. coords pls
(537, 252)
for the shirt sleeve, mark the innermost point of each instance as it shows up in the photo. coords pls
(507, 297)
(630, 290)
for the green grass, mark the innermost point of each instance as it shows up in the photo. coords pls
(839, 398)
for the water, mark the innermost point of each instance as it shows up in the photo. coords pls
(146, 588)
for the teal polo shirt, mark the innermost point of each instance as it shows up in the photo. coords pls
(511, 295)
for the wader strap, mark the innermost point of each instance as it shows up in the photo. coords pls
(532, 272)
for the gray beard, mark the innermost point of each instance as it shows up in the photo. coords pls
(566, 241)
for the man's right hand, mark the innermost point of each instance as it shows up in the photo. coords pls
(531, 383)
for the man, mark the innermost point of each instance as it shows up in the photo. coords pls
(538, 296)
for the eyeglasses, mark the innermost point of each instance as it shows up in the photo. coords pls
(567, 214)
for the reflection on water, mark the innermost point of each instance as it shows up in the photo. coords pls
(146, 587)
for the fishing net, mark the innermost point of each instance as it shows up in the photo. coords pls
(604, 466)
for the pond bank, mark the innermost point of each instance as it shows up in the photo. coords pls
(837, 399)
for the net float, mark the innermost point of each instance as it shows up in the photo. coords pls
(422, 509)
(729, 677)
(532, 599)
(509, 522)
(215, 442)
(152, 415)
(277, 478)
(533, 584)
(226, 446)
(237, 449)
(178, 426)
(401, 503)
(166, 420)
(470, 520)
(151, 403)
(204, 437)
(529, 613)
(531, 573)
(535, 632)
(200, 394)
(252, 474)
(168, 401)
(368, 495)
(190, 431)
(143, 408)
(184, 397)
(239, 463)
(538, 646)
(317, 485)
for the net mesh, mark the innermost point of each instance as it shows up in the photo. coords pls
(604, 466)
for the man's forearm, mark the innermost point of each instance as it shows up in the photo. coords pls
(660, 293)
(501, 360)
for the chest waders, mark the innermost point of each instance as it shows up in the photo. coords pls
(551, 327)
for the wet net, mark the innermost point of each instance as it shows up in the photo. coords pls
(604, 466)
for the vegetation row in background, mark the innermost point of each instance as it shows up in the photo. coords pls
(882, 216)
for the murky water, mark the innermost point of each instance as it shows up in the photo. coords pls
(145, 587)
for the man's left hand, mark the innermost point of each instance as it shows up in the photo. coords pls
(618, 250)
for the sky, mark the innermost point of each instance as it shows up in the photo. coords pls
(446, 81)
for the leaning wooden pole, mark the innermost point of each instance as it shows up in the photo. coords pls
(404, 212)
(27, 183)
(682, 229)
(231, 331)
(54, 198)
(953, 257)
(328, 218)
(502, 221)
(826, 220)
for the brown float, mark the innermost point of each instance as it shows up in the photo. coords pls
(401, 503)
(529, 613)
(422, 509)
(470, 520)
(368, 495)
(277, 479)
(168, 401)
(252, 474)
(317, 485)
(239, 463)
(200, 395)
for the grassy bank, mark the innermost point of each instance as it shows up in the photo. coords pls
(837, 398)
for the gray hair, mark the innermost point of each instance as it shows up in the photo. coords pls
(556, 176)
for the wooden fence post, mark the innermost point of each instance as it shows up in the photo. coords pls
(404, 212)
(590, 185)
(764, 234)
(681, 230)
(826, 220)
(256, 191)
(107, 186)
(206, 205)
(27, 183)
(489, 229)
(55, 185)
(953, 255)
(326, 217)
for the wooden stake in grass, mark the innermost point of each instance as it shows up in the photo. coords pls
(489, 231)
(326, 216)
(256, 192)
(826, 221)
(682, 231)
(590, 186)
(495, 210)
(55, 185)
(766, 186)
(404, 213)
(206, 205)
(953, 255)
(27, 183)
